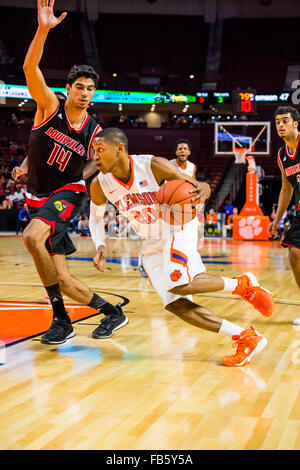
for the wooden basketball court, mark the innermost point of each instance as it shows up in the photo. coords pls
(158, 383)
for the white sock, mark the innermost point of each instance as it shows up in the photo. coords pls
(230, 329)
(229, 283)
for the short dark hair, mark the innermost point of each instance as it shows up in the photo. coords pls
(114, 136)
(183, 141)
(82, 71)
(288, 109)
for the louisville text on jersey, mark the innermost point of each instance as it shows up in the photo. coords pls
(66, 140)
(292, 170)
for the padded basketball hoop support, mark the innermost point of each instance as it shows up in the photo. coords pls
(251, 224)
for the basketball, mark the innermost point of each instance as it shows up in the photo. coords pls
(175, 202)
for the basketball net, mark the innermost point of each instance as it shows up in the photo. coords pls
(240, 154)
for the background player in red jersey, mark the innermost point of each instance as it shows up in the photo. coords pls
(287, 121)
(59, 159)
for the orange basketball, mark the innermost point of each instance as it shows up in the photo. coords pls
(175, 202)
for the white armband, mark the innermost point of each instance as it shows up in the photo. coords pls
(96, 224)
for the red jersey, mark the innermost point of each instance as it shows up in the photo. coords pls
(58, 153)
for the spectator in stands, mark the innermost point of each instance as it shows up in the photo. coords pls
(23, 219)
(228, 208)
(83, 225)
(110, 222)
(7, 204)
(229, 222)
(211, 220)
(74, 225)
(123, 226)
(291, 213)
(2, 190)
(18, 197)
(14, 121)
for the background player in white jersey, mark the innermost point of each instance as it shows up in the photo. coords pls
(170, 254)
(183, 150)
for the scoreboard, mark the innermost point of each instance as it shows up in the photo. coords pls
(244, 101)
(213, 97)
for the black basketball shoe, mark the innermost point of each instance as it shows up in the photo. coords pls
(59, 332)
(109, 324)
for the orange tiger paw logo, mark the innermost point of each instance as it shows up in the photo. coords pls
(175, 275)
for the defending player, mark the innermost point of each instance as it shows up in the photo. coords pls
(287, 124)
(183, 151)
(59, 159)
(170, 254)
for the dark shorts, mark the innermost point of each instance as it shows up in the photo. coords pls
(292, 237)
(57, 212)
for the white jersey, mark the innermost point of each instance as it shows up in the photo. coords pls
(136, 199)
(189, 170)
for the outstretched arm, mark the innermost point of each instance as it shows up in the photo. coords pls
(45, 98)
(96, 224)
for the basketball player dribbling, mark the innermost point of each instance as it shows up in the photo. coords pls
(183, 151)
(287, 121)
(170, 255)
(59, 159)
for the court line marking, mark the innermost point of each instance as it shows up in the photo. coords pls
(150, 291)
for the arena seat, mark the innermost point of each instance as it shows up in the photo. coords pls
(253, 56)
(62, 50)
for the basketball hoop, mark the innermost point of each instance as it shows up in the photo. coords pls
(240, 154)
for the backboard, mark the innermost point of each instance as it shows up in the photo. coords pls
(255, 136)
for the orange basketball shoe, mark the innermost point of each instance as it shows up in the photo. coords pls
(249, 288)
(248, 343)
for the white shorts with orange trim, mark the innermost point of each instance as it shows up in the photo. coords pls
(173, 262)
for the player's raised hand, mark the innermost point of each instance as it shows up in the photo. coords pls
(17, 172)
(100, 258)
(46, 17)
